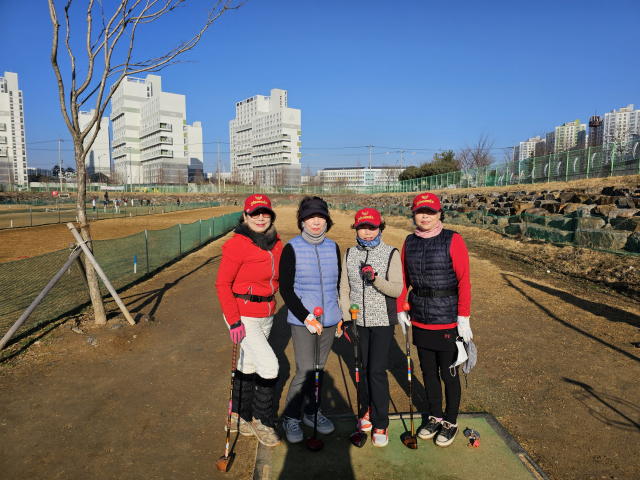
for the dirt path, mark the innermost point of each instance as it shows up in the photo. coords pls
(555, 365)
(31, 241)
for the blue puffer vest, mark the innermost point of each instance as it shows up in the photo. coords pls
(429, 267)
(316, 281)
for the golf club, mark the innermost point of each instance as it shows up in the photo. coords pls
(359, 438)
(224, 463)
(314, 443)
(409, 441)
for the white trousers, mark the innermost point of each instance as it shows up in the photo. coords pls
(256, 355)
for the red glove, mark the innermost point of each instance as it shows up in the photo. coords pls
(237, 332)
(367, 272)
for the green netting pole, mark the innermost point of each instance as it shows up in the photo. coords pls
(588, 161)
(200, 236)
(566, 169)
(613, 152)
(146, 246)
(549, 170)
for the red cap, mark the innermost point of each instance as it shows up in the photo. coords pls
(368, 216)
(254, 202)
(426, 200)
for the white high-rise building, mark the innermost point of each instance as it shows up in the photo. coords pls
(352, 177)
(13, 150)
(196, 152)
(150, 143)
(98, 160)
(265, 141)
(567, 136)
(621, 126)
(533, 147)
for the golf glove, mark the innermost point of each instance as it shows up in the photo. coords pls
(313, 325)
(367, 272)
(237, 332)
(339, 329)
(404, 320)
(464, 329)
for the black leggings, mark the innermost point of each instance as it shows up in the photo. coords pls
(435, 366)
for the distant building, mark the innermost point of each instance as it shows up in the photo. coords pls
(196, 151)
(98, 160)
(566, 137)
(39, 172)
(13, 150)
(352, 177)
(150, 135)
(265, 141)
(621, 126)
(534, 147)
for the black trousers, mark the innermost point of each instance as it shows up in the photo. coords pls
(375, 343)
(435, 366)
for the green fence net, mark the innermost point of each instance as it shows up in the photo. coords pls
(20, 215)
(124, 261)
(596, 232)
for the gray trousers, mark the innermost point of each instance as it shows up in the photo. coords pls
(303, 383)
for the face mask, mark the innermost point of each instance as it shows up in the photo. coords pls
(462, 357)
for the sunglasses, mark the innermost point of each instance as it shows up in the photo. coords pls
(264, 214)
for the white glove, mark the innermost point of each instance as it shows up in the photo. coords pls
(464, 329)
(312, 324)
(404, 321)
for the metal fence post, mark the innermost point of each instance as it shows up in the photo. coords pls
(549, 170)
(613, 153)
(200, 238)
(180, 236)
(588, 161)
(146, 245)
(566, 169)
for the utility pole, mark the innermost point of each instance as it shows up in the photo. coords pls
(370, 173)
(401, 152)
(60, 160)
(218, 167)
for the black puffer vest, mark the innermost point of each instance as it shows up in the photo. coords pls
(428, 264)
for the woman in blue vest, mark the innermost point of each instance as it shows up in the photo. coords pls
(435, 263)
(309, 278)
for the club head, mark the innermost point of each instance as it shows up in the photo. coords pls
(224, 463)
(358, 439)
(410, 441)
(314, 444)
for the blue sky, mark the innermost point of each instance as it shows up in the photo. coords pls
(414, 75)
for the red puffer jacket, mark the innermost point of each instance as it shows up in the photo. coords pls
(246, 268)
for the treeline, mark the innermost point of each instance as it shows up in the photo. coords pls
(479, 154)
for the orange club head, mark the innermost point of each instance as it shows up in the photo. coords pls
(354, 309)
(406, 307)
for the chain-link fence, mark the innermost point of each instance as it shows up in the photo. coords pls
(14, 216)
(614, 235)
(124, 260)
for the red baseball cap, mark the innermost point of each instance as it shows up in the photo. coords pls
(255, 202)
(426, 200)
(367, 216)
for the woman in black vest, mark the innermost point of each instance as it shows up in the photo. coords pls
(435, 262)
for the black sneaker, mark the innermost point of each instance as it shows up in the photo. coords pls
(447, 434)
(430, 429)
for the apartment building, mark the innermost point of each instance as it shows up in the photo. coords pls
(533, 147)
(196, 151)
(13, 149)
(150, 135)
(265, 141)
(98, 160)
(621, 126)
(566, 137)
(352, 177)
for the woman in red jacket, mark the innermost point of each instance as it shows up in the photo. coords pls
(246, 284)
(435, 263)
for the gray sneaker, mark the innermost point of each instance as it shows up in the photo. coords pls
(265, 435)
(292, 430)
(245, 429)
(430, 429)
(324, 424)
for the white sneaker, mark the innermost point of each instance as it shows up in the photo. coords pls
(292, 429)
(324, 424)
(380, 437)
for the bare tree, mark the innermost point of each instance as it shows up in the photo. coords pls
(480, 153)
(101, 44)
(198, 178)
(180, 179)
(161, 178)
